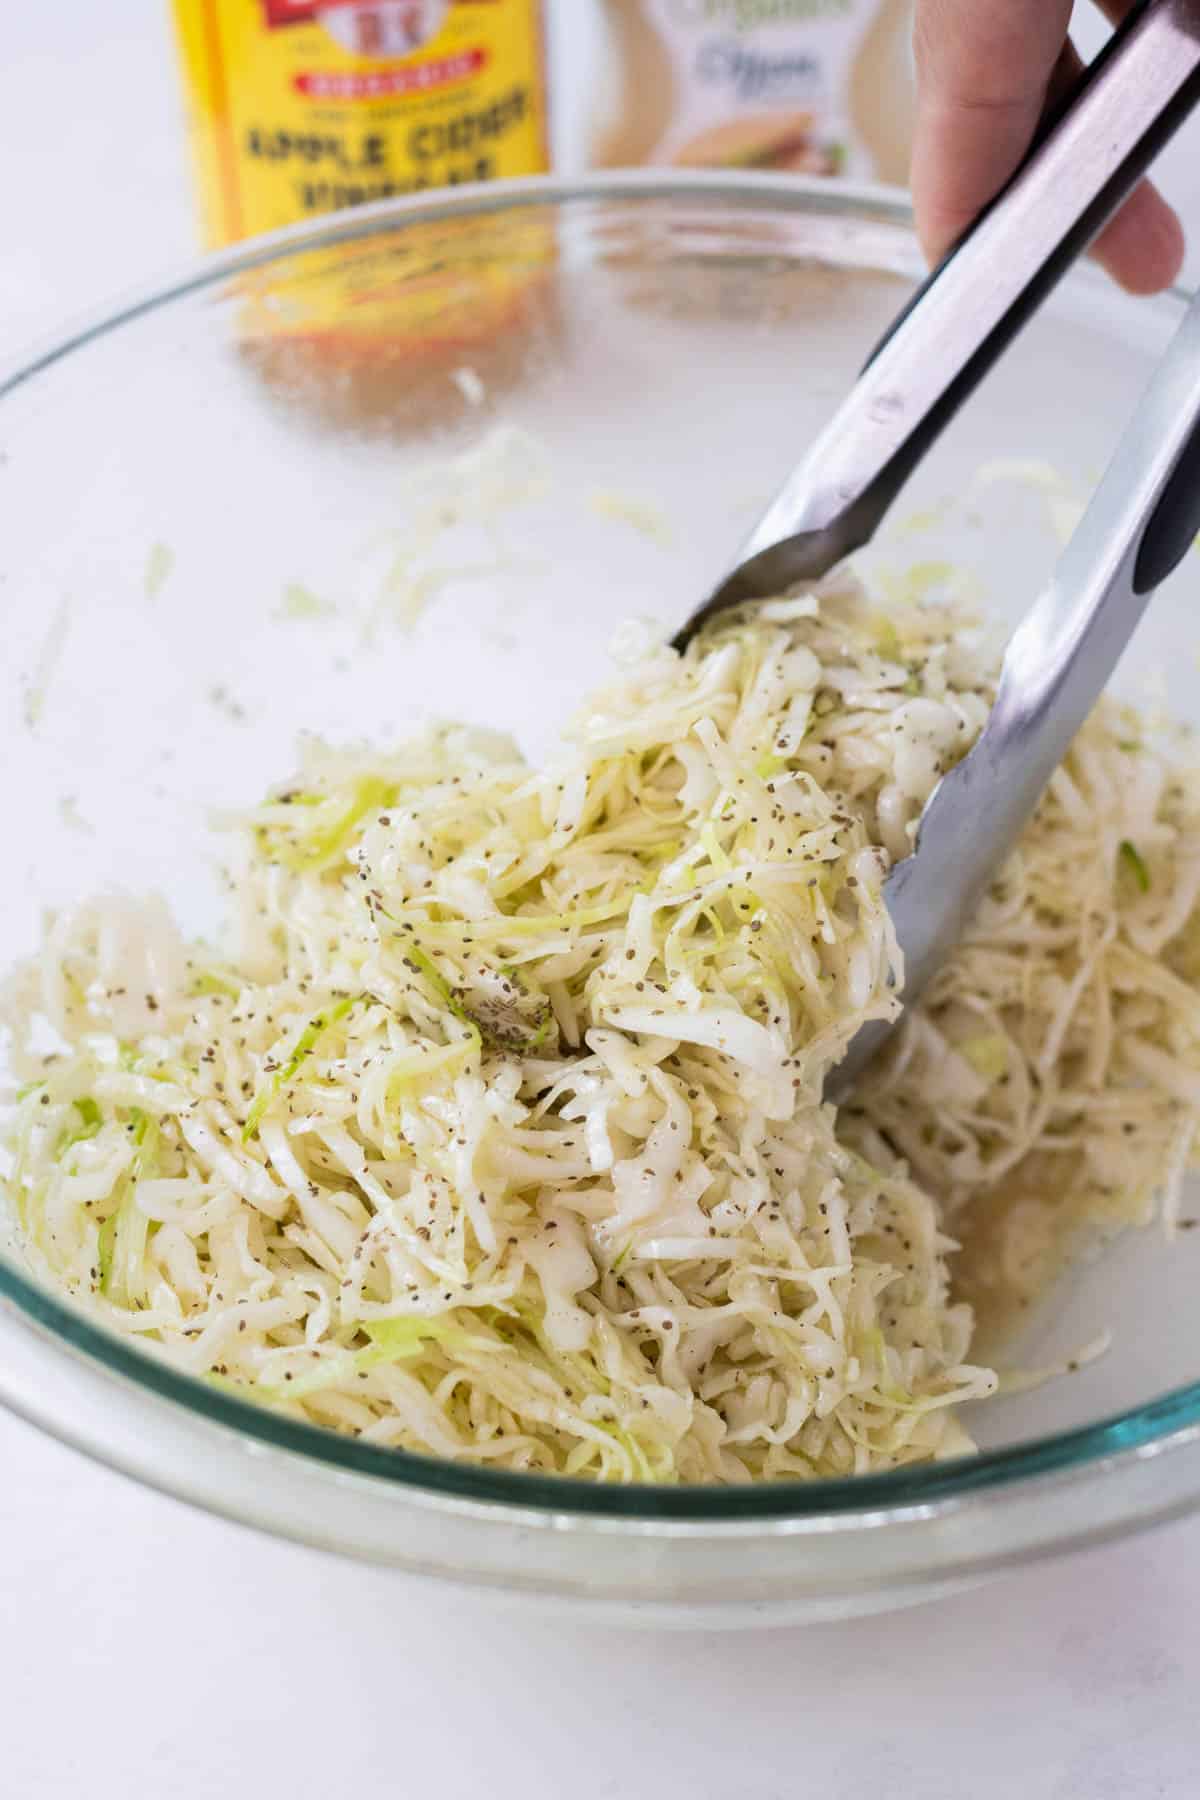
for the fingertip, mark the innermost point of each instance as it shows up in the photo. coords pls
(1143, 246)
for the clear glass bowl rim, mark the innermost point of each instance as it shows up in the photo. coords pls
(1169, 1422)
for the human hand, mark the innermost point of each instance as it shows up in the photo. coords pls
(985, 71)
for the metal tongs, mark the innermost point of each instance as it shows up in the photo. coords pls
(1143, 516)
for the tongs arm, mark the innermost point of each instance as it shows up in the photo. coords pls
(1141, 521)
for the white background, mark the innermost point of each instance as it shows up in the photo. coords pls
(147, 1650)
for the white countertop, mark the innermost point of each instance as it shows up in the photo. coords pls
(149, 1650)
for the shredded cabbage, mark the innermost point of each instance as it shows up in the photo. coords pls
(496, 1129)
(1051, 1077)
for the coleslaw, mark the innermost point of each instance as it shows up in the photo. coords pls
(494, 1128)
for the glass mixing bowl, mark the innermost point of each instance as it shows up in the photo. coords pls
(207, 498)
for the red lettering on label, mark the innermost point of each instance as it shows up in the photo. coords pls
(297, 12)
(382, 84)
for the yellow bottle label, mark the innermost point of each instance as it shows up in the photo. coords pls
(300, 107)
